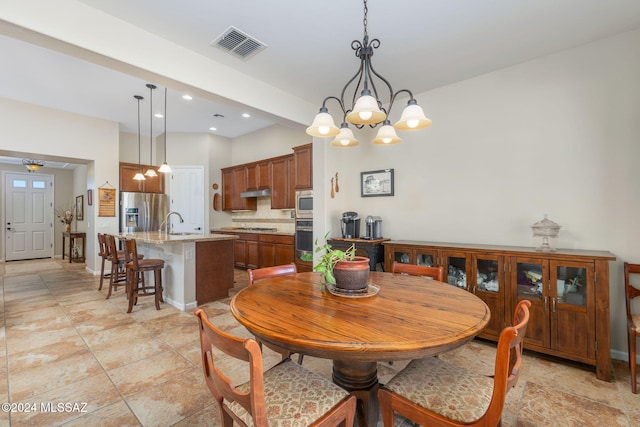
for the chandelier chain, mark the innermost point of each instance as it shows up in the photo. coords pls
(364, 20)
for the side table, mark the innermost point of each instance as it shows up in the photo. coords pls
(373, 248)
(79, 257)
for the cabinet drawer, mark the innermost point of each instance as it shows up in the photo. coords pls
(276, 238)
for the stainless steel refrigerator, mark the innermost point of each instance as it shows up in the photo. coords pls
(142, 211)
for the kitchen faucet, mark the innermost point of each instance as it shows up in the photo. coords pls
(166, 221)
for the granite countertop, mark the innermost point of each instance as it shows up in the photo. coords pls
(258, 230)
(159, 237)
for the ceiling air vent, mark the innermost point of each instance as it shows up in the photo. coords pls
(238, 43)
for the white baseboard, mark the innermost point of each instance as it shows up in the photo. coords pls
(181, 306)
(623, 355)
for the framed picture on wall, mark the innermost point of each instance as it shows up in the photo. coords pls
(376, 183)
(79, 208)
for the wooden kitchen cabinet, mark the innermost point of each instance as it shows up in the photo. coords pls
(258, 175)
(303, 158)
(568, 290)
(280, 188)
(234, 182)
(276, 250)
(245, 249)
(149, 185)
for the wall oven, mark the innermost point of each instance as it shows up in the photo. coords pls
(304, 237)
(304, 204)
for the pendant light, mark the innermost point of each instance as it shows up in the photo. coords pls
(367, 106)
(151, 172)
(164, 168)
(139, 176)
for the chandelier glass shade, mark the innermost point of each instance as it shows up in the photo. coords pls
(33, 165)
(368, 105)
(150, 171)
(164, 168)
(345, 137)
(139, 176)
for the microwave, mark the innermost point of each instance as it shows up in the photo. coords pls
(304, 204)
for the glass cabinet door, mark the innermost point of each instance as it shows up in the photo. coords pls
(530, 276)
(456, 269)
(487, 275)
(402, 255)
(426, 258)
(487, 285)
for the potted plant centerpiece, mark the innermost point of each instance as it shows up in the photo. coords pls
(345, 270)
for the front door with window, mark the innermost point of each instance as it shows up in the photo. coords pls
(28, 216)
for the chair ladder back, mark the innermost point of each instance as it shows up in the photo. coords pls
(277, 270)
(131, 252)
(112, 249)
(631, 291)
(436, 273)
(246, 350)
(506, 368)
(103, 251)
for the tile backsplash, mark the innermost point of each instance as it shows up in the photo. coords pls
(264, 216)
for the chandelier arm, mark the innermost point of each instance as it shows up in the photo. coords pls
(393, 97)
(386, 82)
(338, 100)
(355, 92)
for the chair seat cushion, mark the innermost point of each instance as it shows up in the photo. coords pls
(443, 388)
(293, 396)
(147, 263)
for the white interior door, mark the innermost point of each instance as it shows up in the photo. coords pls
(28, 216)
(187, 198)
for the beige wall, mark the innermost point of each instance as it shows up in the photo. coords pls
(558, 136)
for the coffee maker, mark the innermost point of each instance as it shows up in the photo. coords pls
(350, 225)
(373, 226)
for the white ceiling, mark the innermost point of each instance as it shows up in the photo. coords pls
(425, 44)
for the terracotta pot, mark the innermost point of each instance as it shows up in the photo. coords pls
(352, 275)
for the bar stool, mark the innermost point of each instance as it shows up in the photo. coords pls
(135, 276)
(118, 259)
(103, 252)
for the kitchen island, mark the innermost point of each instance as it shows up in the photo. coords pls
(198, 267)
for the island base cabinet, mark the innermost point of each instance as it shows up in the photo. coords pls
(214, 270)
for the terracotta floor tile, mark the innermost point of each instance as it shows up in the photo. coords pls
(114, 415)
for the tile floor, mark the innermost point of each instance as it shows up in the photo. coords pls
(62, 342)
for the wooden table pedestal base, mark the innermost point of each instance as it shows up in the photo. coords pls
(361, 379)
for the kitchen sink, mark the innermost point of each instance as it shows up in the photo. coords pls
(183, 233)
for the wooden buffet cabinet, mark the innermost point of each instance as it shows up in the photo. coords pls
(283, 175)
(568, 290)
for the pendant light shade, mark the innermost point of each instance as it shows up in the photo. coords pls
(139, 176)
(386, 135)
(323, 125)
(151, 172)
(412, 117)
(345, 138)
(164, 168)
(33, 165)
(366, 111)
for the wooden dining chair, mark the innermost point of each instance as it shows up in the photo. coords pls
(633, 320)
(431, 391)
(286, 394)
(258, 274)
(103, 253)
(436, 273)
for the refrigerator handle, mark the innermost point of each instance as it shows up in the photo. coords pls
(146, 216)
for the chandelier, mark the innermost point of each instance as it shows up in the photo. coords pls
(32, 165)
(368, 108)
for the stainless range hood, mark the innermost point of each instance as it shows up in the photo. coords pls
(256, 193)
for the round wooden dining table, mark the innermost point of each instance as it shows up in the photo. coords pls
(401, 317)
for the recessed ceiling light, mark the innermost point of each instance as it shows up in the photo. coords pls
(212, 128)
(245, 115)
(187, 97)
(158, 115)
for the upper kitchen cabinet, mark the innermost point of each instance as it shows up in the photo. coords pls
(234, 182)
(303, 159)
(149, 185)
(280, 188)
(259, 175)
